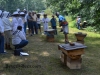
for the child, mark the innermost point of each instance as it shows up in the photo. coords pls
(53, 23)
(39, 22)
(45, 21)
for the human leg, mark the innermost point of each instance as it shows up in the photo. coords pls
(36, 28)
(22, 44)
(1, 44)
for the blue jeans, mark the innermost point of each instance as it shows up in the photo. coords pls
(25, 25)
(21, 44)
(78, 24)
(1, 44)
(54, 27)
(35, 27)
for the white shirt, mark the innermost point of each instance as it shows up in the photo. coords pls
(1, 26)
(34, 17)
(39, 21)
(26, 17)
(79, 20)
(17, 37)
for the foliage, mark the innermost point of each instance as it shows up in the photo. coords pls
(12, 5)
(48, 11)
(87, 9)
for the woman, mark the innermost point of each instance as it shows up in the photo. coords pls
(19, 39)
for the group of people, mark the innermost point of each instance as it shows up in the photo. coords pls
(15, 31)
(34, 23)
(12, 32)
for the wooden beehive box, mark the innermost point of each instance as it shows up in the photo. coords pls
(74, 64)
(50, 38)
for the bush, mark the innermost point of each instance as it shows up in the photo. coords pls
(48, 11)
(91, 29)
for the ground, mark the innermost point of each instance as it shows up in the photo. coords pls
(44, 57)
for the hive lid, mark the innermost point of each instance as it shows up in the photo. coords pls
(69, 47)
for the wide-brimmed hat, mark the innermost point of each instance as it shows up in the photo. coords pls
(15, 13)
(22, 13)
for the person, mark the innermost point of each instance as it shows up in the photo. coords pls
(1, 34)
(45, 21)
(39, 22)
(7, 30)
(19, 39)
(15, 18)
(30, 24)
(64, 24)
(25, 23)
(53, 23)
(34, 16)
(78, 22)
(21, 20)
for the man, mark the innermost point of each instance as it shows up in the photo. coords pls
(19, 39)
(1, 34)
(7, 30)
(78, 22)
(64, 24)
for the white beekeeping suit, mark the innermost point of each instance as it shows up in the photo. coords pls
(21, 21)
(6, 21)
(15, 21)
(1, 24)
(45, 21)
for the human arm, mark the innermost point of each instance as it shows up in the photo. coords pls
(22, 36)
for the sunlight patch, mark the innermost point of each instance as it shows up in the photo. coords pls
(45, 53)
(19, 61)
(6, 61)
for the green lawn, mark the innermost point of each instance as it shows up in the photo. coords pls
(44, 58)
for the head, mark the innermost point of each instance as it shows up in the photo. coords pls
(38, 15)
(25, 12)
(78, 16)
(5, 14)
(29, 13)
(15, 14)
(57, 14)
(45, 15)
(33, 13)
(22, 14)
(18, 10)
(19, 28)
(53, 16)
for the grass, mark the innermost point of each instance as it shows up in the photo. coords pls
(44, 58)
